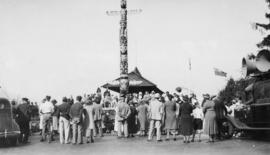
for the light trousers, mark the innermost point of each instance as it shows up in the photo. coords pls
(98, 128)
(123, 124)
(64, 128)
(55, 122)
(77, 133)
(40, 122)
(45, 120)
(154, 124)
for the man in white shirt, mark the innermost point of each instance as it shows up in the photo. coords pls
(46, 109)
(40, 115)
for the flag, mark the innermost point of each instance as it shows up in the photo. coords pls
(189, 64)
(258, 27)
(219, 72)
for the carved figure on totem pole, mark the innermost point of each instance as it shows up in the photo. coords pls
(124, 81)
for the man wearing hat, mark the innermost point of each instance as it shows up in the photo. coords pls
(23, 117)
(76, 114)
(156, 111)
(55, 116)
(123, 111)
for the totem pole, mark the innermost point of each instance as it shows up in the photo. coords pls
(124, 81)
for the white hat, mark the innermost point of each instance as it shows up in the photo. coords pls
(157, 95)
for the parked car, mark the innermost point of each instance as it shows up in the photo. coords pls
(9, 129)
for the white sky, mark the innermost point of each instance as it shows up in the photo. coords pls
(64, 47)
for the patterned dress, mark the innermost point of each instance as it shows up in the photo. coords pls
(170, 115)
(142, 116)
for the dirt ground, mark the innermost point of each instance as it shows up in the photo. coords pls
(110, 145)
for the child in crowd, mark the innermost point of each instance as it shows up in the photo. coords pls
(198, 121)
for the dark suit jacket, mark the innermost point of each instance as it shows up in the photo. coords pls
(76, 110)
(23, 112)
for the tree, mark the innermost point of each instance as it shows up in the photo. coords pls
(228, 93)
(233, 89)
(259, 26)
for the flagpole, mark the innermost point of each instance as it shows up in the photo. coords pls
(190, 82)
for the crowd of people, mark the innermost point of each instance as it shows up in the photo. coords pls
(138, 114)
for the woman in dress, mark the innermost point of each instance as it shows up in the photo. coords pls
(142, 110)
(210, 125)
(132, 120)
(186, 119)
(178, 101)
(170, 116)
(89, 121)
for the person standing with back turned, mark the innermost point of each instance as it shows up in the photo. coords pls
(123, 112)
(64, 123)
(46, 110)
(156, 111)
(210, 125)
(98, 112)
(170, 110)
(186, 120)
(75, 113)
(23, 117)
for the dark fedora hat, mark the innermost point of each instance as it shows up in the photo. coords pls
(178, 89)
(25, 99)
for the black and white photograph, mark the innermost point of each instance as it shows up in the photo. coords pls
(134, 77)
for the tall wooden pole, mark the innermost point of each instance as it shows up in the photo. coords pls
(124, 81)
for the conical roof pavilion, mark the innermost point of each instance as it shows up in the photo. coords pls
(137, 83)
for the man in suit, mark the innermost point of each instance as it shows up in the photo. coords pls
(76, 112)
(123, 111)
(23, 119)
(156, 111)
